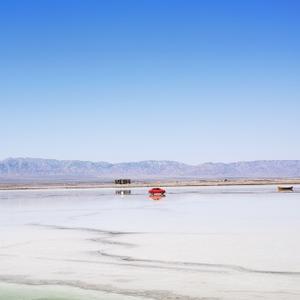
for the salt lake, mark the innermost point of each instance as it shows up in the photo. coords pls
(195, 243)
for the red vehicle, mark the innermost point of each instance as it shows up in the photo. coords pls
(157, 191)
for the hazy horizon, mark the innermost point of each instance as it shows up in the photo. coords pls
(137, 161)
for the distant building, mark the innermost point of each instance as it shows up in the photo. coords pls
(122, 181)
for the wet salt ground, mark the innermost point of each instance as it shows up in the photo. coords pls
(196, 243)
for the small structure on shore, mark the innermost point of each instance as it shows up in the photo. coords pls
(285, 188)
(123, 181)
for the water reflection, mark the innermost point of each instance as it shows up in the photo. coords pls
(123, 192)
(157, 196)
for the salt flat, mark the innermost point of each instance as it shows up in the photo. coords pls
(196, 243)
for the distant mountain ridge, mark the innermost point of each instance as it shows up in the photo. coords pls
(51, 168)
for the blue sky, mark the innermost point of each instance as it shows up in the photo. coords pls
(128, 80)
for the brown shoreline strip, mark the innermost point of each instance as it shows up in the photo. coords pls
(164, 183)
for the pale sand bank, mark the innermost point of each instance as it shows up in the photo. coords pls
(13, 291)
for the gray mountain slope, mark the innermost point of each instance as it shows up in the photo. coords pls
(43, 168)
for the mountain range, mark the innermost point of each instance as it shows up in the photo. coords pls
(37, 168)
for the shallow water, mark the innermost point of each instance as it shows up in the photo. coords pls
(196, 243)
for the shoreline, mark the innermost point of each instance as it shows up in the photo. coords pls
(141, 184)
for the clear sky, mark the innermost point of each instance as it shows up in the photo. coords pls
(192, 81)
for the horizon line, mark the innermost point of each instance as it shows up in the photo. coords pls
(148, 160)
